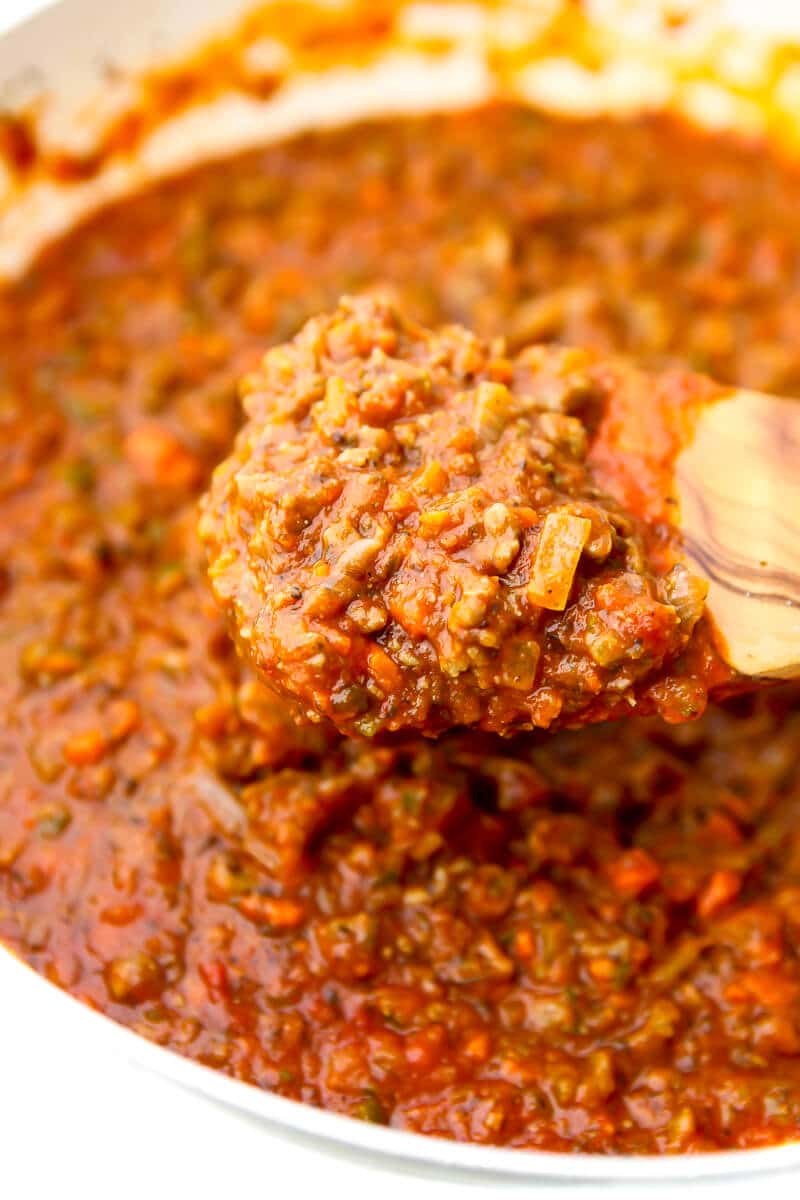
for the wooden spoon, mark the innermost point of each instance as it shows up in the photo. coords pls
(737, 493)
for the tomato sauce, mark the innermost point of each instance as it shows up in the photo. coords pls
(585, 940)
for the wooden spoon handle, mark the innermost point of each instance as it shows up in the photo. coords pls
(737, 486)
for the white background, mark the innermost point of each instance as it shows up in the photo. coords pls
(98, 1127)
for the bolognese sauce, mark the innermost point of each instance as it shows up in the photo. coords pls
(409, 534)
(582, 940)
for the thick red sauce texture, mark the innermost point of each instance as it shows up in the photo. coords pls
(585, 941)
(408, 534)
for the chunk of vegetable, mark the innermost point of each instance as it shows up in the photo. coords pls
(557, 556)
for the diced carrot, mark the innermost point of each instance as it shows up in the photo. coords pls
(435, 520)
(279, 912)
(526, 516)
(721, 887)
(123, 719)
(84, 749)
(602, 969)
(384, 671)
(632, 872)
(523, 945)
(401, 501)
(463, 439)
(432, 479)
(412, 610)
(121, 914)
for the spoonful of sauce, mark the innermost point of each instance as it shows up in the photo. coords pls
(416, 530)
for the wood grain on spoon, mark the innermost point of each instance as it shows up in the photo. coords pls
(737, 486)
(724, 469)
